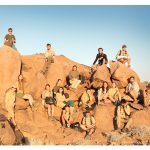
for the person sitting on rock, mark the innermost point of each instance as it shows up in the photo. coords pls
(103, 94)
(48, 101)
(87, 99)
(57, 86)
(123, 56)
(20, 92)
(49, 58)
(74, 77)
(123, 115)
(9, 39)
(101, 57)
(114, 95)
(66, 118)
(132, 89)
(10, 99)
(88, 124)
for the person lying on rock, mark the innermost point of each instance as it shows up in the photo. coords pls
(21, 94)
(103, 94)
(123, 56)
(123, 115)
(132, 89)
(9, 39)
(88, 124)
(49, 58)
(101, 58)
(114, 95)
(10, 99)
(74, 77)
(62, 100)
(87, 99)
(48, 101)
(66, 117)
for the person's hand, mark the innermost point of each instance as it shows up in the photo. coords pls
(101, 58)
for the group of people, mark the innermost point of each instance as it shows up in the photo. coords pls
(57, 97)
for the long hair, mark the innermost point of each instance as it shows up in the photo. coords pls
(62, 91)
(103, 86)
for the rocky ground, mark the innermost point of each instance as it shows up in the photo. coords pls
(38, 130)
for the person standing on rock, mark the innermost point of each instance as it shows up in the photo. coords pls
(101, 58)
(20, 92)
(48, 101)
(123, 56)
(9, 39)
(74, 77)
(123, 115)
(88, 124)
(132, 89)
(10, 99)
(49, 58)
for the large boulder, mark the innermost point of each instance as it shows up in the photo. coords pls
(10, 64)
(120, 74)
(141, 118)
(35, 81)
(101, 74)
(104, 116)
(7, 135)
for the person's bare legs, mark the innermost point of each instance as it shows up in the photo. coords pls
(49, 110)
(133, 95)
(52, 110)
(71, 110)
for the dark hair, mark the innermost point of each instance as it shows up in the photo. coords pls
(47, 85)
(132, 77)
(123, 101)
(48, 44)
(63, 90)
(58, 81)
(124, 46)
(103, 85)
(74, 66)
(10, 29)
(100, 48)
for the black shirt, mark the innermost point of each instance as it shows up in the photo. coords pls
(100, 62)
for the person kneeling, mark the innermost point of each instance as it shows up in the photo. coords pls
(88, 125)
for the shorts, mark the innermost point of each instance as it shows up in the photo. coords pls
(50, 100)
(20, 95)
